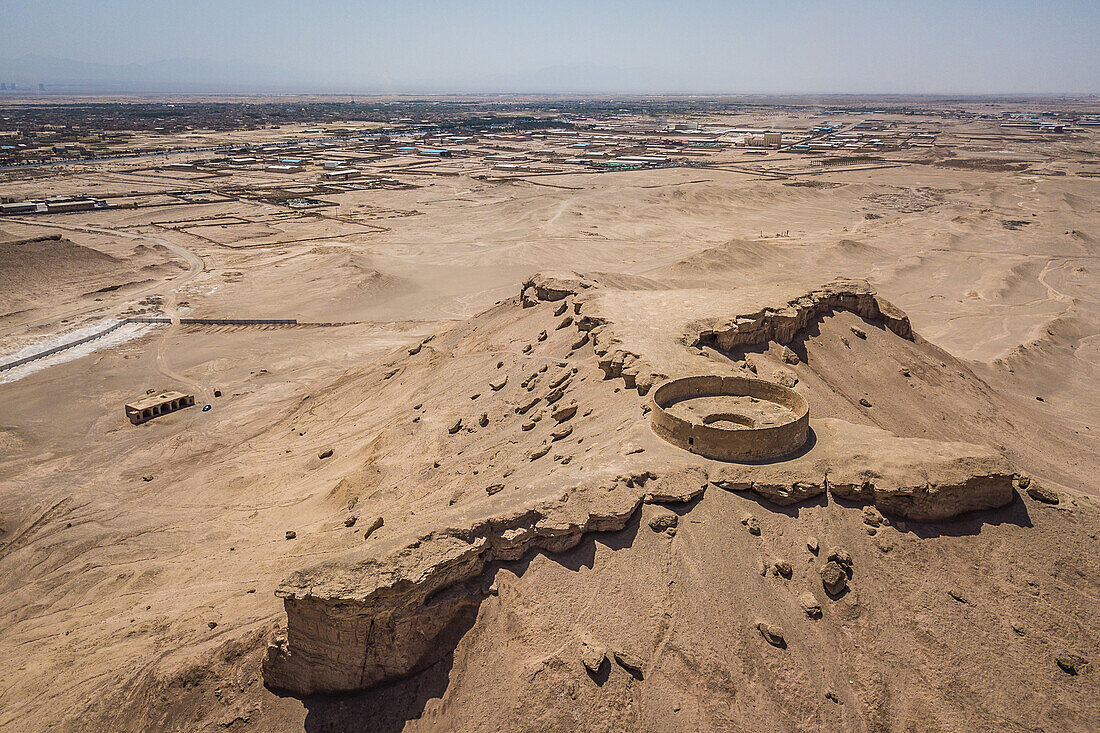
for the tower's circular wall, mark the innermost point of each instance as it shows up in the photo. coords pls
(726, 444)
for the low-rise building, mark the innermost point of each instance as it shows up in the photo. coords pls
(152, 406)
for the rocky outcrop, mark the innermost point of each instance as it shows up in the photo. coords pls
(781, 323)
(784, 323)
(398, 604)
(925, 480)
(353, 625)
(554, 285)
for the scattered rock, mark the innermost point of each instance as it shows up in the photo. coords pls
(833, 578)
(840, 556)
(528, 349)
(810, 605)
(147, 477)
(812, 545)
(844, 340)
(906, 373)
(529, 425)
(373, 527)
(1071, 664)
(762, 565)
(750, 364)
(542, 336)
(773, 633)
(872, 516)
(592, 656)
(1040, 493)
(630, 663)
(555, 395)
(580, 342)
(864, 401)
(494, 489)
(326, 453)
(958, 595)
(483, 420)
(560, 380)
(498, 384)
(217, 393)
(789, 356)
(564, 412)
(456, 427)
(664, 520)
(291, 534)
(785, 377)
(539, 452)
(751, 523)
(562, 432)
(565, 323)
(561, 308)
(859, 332)
(1023, 480)
(350, 521)
(832, 697)
(783, 568)
(528, 405)
(1019, 628)
(214, 625)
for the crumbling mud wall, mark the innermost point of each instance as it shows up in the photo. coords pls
(783, 324)
(745, 444)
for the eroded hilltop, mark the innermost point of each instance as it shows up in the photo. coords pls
(533, 436)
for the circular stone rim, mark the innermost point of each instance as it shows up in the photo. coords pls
(724, 444)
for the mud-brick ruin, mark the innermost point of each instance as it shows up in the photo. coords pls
(731, 418)
(152, 406)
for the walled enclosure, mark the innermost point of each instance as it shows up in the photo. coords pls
(724, 444)
(157, 405)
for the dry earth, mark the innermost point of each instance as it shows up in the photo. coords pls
(538, 568)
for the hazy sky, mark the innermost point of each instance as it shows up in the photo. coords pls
(685, 45)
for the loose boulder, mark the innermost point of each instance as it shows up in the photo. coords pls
(833, 578)
(773, 633)
(810, 605)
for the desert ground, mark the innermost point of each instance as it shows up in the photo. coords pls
(436, 501)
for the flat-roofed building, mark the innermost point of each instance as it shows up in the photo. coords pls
(152, 406)
(341, 174)
(19, 207)
(67, 206)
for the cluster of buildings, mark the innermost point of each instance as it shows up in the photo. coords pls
(55, 205)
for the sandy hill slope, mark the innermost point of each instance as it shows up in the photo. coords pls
(44, 269)
(497, 521)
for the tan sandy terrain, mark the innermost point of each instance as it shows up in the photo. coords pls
(474, 366)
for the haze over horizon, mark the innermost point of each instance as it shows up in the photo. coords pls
(489, 46)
